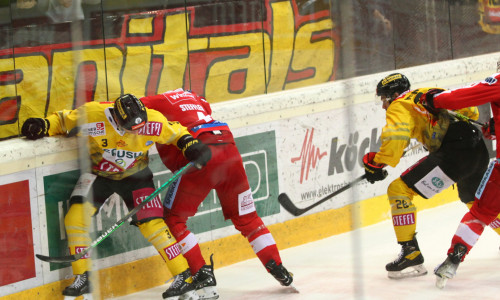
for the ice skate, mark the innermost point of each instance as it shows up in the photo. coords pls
(204, 282)
(448, 268)
(409, 262)
(79, 287)
(182, 288)
(281, 274)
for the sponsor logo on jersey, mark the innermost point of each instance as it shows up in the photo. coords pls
(151, 129)
(93, 129)
(437, 182)
(121, 143)
(123, 158)
(172, 251)
(79, 249)
(490, 80)
(245, 203)
(179, 96)
(403, 220)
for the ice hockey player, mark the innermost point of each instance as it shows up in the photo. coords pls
(486, 207)
(457, 154)
(119, 136)
(225, 173)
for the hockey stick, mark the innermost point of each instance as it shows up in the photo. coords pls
(77, 256)
(465, 118)
(288, 205)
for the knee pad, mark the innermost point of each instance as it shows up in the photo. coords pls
(77, 222)
(158, 234)
(177, 225)
(404, 212)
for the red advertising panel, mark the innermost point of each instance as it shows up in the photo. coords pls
(16, 237)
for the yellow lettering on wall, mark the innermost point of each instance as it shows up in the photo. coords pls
(66, 64)
(318, 55)
(218, 78)
(137, 70)
(282, 42)
(174, 51)
(32, 89)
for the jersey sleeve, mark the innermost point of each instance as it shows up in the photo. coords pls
(171, 131)
(62, 122)
(474, 95)
(396, 135)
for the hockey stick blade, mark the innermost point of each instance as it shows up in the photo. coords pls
(77, 256)
(288, 205)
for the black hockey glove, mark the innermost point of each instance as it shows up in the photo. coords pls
(427, 100)
(372, 172)
(489, 130)
(35, 128)
(194, 151)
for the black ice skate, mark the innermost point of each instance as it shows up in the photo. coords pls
(409, 262)
(448, 268)
(281, 274)
(181, 288)
(79, 287)
(204, 281)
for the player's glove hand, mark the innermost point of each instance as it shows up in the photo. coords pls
(489, 130)
(427, 100)
(194, 151)
(35, 128)
(372, 172)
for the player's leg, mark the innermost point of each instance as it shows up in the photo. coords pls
(150, 222)
(404, 219)
(77, 222)
(238, 205)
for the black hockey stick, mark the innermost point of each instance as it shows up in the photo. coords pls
(77, 256)
(288, 205)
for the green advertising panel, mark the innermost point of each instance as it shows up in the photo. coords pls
(259, 157)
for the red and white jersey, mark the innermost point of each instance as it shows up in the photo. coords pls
(186, 107)
(486, 91)
(193, 112)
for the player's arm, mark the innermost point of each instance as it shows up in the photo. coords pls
(193, 149)
(58, 123)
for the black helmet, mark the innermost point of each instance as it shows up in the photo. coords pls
(130, 112)
(393, 83)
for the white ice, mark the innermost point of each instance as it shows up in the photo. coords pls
(352, 266)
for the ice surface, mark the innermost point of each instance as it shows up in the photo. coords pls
(352, 266)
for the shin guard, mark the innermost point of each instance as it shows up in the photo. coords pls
(259, 237)
(404, 212)
(158, 234)
(77, 223)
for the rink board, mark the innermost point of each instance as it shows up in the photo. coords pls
(305, 142)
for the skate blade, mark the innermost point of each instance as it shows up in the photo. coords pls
(441, 282)
(191, 295)
(295, 290)
(82, 297)
(208, 293)
(413, 271)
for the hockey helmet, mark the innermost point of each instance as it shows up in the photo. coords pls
(393, 83)
(130, 112)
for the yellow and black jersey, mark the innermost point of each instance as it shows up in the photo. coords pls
(406, 120)
(115, 153)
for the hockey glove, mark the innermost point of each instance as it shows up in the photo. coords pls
(372, 172)
(35, 128)
(194, 150)
(489, 130)
(427, 100)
